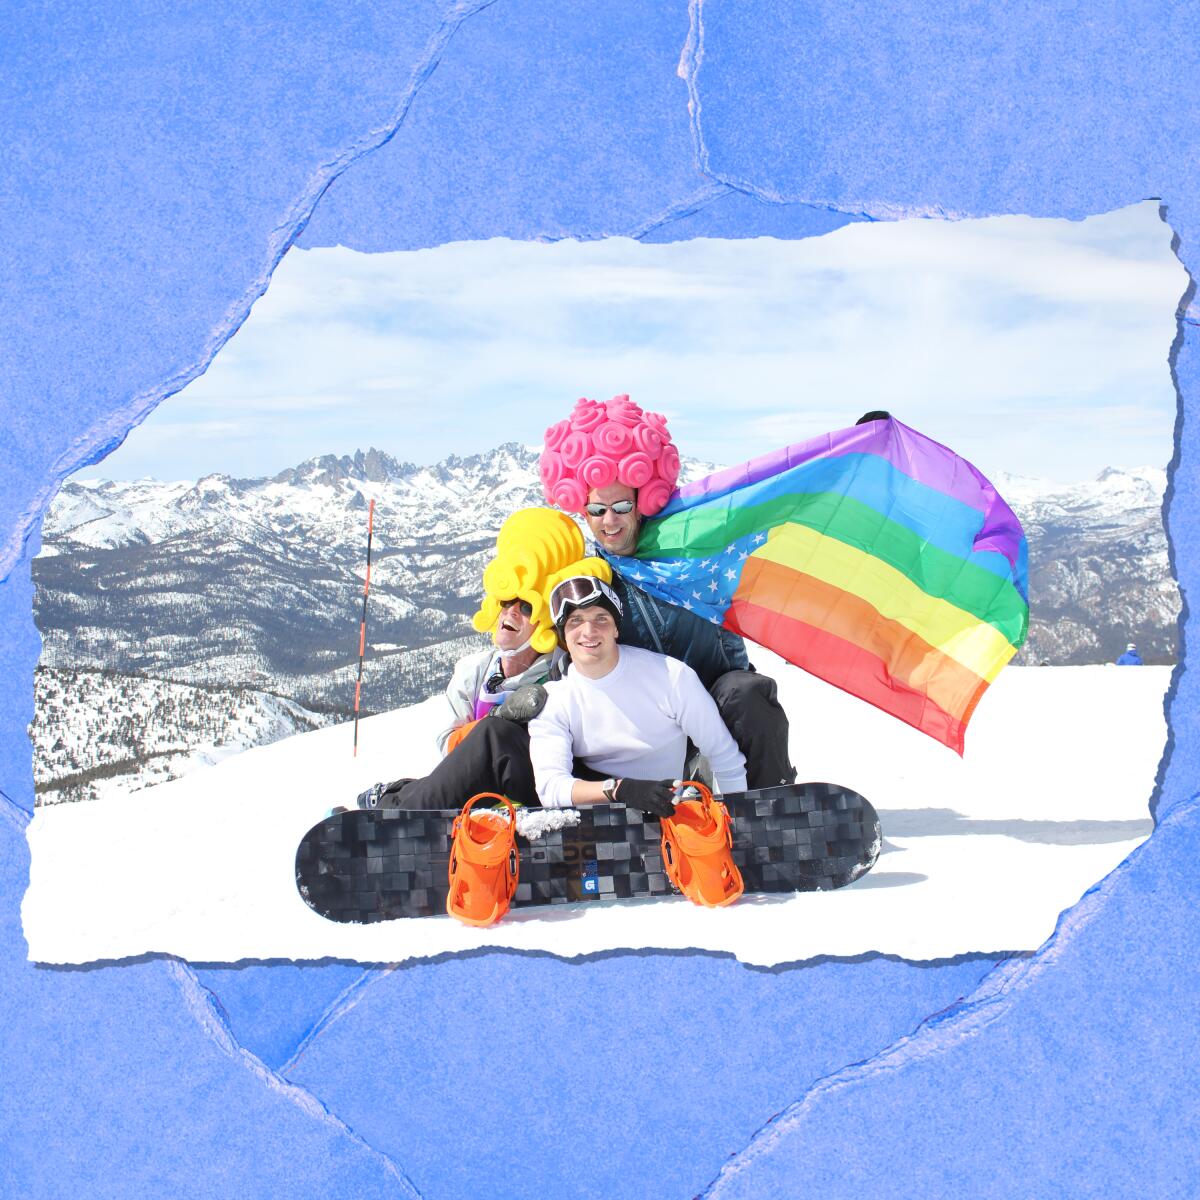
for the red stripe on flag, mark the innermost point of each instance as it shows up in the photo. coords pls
(846, 666)
(907, 656)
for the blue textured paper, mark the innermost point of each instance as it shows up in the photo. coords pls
(159, 161)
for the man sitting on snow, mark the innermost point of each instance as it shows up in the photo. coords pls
(494, 693)
(615, 728)
(617, 464)
(482, 753)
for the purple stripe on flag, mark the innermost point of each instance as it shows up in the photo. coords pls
(920, 458)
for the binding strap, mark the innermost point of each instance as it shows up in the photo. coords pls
(484, 863)
(697, 850)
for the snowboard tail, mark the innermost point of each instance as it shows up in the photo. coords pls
(379, 864)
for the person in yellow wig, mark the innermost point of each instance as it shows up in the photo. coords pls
(495, 692)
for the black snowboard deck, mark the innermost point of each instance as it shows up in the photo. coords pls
(378, 864)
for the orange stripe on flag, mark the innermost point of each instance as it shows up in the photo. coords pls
(847, 666)
(906, 655)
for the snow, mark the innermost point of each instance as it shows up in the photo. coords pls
(980, 854)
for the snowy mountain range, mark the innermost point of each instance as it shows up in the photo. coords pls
(256, 584)
(1099, 572)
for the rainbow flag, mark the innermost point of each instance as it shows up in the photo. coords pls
(873, 557)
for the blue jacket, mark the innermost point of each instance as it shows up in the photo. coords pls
(1130, 658)
(653, 625)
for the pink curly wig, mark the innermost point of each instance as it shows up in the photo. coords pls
(599, 444)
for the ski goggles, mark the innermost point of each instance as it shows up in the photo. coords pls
(524, 605)
(578, 592)
(621, 507)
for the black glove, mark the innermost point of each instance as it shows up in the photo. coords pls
(522, 705)
(653, 796)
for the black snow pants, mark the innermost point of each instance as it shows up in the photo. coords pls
(749, 706)
(493, 757)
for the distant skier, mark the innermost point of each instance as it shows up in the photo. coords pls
(616, 464)
(1131, 658)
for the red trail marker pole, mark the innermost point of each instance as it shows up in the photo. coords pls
(362, 628)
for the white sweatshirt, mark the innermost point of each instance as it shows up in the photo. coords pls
(632, 724)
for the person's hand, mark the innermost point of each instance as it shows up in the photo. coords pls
(653, 796)
(522, 705)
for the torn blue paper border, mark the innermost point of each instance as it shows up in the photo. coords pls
(160, 164)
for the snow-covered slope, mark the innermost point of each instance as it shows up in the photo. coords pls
(96, 733)
(980, 853)
(258, 583)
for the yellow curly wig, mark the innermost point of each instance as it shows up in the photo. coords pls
(535, 549)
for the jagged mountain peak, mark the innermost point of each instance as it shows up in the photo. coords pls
(506, 454)
(373, 466)
(1118, 488)
(505, 450)
(378, 467)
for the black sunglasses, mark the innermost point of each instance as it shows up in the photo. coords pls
(524, 605)
(620, 508)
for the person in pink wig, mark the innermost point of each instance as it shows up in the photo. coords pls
(617, 465)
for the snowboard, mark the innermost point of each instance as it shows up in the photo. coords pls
(370, 865)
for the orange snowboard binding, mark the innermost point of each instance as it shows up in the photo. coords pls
(697, 844)
(484, 863)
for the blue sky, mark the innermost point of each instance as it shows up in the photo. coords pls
(1038, 347)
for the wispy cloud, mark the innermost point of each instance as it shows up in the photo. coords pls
(995, 336)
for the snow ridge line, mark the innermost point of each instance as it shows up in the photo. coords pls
(341, 1004)
(111, 430)
(202, 1005)
(944, 1030)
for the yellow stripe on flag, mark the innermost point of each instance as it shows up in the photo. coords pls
(960, 635)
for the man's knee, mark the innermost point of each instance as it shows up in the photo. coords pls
(495, 734)
(736, 689)
(749, 705)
